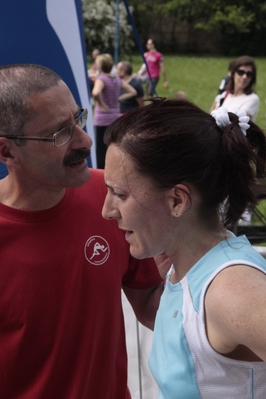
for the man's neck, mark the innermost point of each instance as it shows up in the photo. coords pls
(31, 199)
(127, 78)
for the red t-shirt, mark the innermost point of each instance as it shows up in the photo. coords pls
(61, 323)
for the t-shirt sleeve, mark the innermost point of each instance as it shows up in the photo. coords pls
(141, 274)
(140, 91)
(251, 106)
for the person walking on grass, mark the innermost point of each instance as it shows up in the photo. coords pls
(155, 63)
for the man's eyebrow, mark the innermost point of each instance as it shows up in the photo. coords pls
(57, 128)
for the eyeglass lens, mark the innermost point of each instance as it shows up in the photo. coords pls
(65, 134)
(241, 72)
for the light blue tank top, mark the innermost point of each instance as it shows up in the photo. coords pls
(182, 361)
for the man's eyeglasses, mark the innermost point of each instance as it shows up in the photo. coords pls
(62, 136)
(241, 72)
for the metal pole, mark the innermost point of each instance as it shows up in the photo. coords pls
(139, 45)
(139, 360)
(116, 33)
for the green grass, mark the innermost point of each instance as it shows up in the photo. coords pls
(199, 78)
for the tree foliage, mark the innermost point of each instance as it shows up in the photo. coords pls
(100, 26)
(235, 26)
(232, 26)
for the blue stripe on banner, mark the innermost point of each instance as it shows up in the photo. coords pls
(50, 33)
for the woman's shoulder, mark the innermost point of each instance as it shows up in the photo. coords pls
(254, 96)
(252, 99)
(117, 81)
(102, 77)
(110, 79)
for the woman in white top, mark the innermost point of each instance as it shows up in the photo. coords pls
(240, 94)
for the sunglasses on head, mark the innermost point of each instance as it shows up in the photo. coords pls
(241, 72)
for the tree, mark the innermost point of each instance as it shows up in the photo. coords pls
(100, 25)
(238, 26)
(233, 26)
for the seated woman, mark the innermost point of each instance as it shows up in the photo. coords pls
(239, 93)
(177, 180)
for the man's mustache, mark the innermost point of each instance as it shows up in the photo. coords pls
(76, 157)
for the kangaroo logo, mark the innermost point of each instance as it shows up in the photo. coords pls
(96, 250)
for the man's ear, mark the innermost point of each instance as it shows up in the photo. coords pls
(6, 155)
(181, 199)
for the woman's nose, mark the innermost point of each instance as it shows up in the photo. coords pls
(109, 212)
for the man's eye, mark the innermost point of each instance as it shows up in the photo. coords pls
(57, 132)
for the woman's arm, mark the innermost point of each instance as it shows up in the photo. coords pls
(96, 93)
(236, 312)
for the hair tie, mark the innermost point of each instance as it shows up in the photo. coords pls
(222, 118)
(243, 120)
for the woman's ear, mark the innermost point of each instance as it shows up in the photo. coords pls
(181, 200)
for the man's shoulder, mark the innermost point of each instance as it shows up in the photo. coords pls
(96, 176)
(96, 180)
(93, 192)
(157, 54)
(135, 82)
(97, 173)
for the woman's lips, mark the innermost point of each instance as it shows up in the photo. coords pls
(128, 234)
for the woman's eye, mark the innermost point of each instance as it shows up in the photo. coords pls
(114, 193)
(119, 195)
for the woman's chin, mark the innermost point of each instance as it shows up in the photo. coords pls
(138, 254)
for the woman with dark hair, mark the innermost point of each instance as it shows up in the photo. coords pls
(177, 180)
(240, 91)
(106, 92)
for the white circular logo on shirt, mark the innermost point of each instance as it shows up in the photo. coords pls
(96, 250)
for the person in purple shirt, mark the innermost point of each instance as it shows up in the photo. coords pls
(106, 92)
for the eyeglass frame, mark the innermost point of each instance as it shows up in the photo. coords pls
(83, 113)
(241, 72)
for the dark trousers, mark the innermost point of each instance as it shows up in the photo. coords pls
(149, 88)
(101, 148)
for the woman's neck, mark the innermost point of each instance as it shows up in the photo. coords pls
(186, 254)
(238, 92)
(106, 74)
